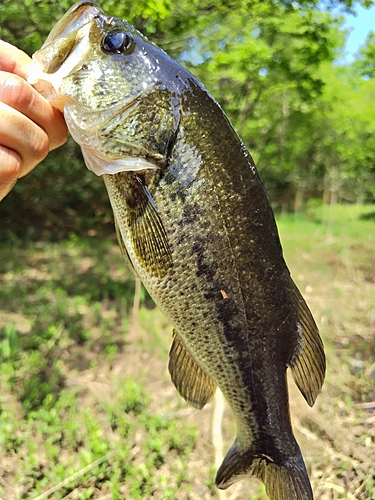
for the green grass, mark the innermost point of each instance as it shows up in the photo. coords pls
(86, 404)
(58, 439)
(331, 253)
(65, 314)
(346, 231)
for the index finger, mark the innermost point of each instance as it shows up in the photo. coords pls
(13, 60)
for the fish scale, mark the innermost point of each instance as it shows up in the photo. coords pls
(194, 223)
(213, 335)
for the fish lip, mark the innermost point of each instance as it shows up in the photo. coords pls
(67, 25)
(65, 35)
(65, 48)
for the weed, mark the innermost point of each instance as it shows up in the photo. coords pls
(86, 404)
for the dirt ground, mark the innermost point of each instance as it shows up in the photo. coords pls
(336, 436)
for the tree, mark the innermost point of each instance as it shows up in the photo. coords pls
(267, 79)
(268, 64)
(366, 57)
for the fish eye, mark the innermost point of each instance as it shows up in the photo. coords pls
(118, 42)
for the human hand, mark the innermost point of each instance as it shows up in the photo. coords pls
(29, 126)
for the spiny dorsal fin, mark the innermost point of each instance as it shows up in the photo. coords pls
(308, 362)
(122, 246)
(149, 238)
(288, 481)
(194, 385)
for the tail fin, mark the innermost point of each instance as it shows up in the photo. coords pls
(288, 481)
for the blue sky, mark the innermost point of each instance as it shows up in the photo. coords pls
(360, 26)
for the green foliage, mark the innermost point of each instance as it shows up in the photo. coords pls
(80, 434)
(63, 316)
(98, 409)
(267, 79)
(272, 65)
(59, 197)
(366, 61)
(27, 23)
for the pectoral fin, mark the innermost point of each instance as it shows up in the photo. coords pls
(194, 385)
(149, 238)
(308, 362)
(122, 246)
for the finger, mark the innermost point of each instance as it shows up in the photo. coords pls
(56, 129)
(18, 94)
(20, 134)
(10, 170)
(13, 60)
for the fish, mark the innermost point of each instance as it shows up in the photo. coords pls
(194, 223)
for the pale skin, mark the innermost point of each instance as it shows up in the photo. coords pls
(29, 126)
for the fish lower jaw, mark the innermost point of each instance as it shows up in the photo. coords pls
(103, 165)
(45, 85)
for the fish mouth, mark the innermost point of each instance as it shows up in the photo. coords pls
(65, 49)
(67, 37)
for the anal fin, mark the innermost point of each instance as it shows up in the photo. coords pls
(308, 362)
(193, 383)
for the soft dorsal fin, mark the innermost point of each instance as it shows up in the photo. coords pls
(308, 362)
(149, 238)
(193, 383)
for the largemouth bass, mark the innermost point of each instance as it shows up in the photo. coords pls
(194, 223)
